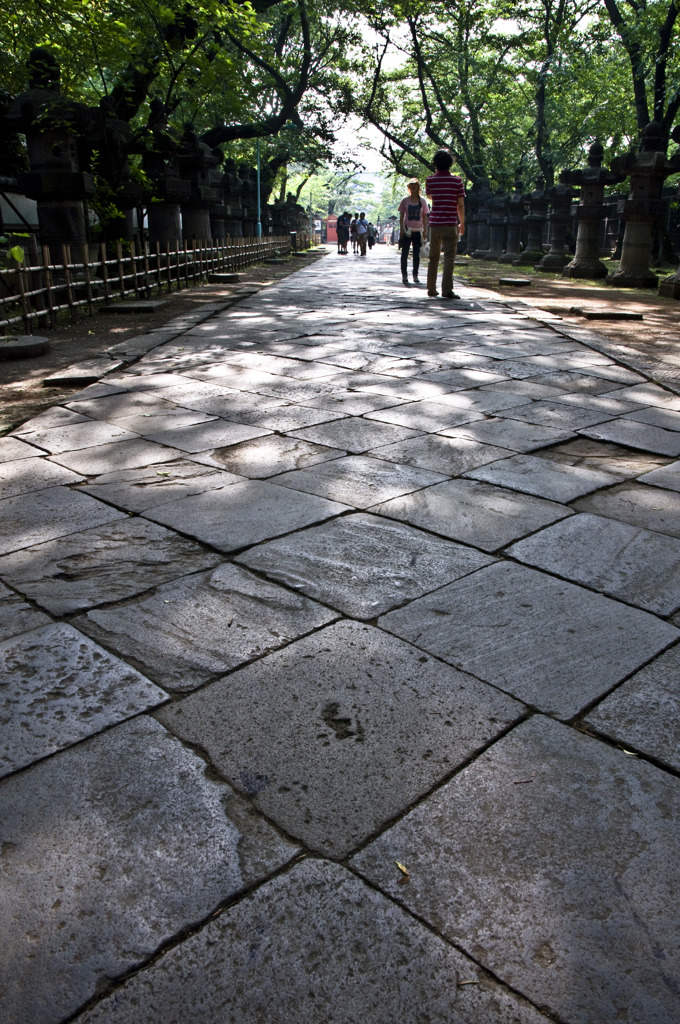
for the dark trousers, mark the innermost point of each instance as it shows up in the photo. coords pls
(406, 240)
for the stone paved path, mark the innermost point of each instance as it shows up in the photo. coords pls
(340, 675)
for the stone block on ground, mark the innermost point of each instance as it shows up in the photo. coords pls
(58, 687)
(24, 346)
(363, 565)
(552, 644)
(349, 759)
(109, 563)
(80, 374)
(341, 938)
(644, 713)
(223, 277)
(110, 850)
(127, 306)
(200, 626)
(548, 860)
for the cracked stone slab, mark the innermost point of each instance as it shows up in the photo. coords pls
(524, 389)
(601, 455)
(644, 713)
(121, 406)
(652, 394)
(508, 433)
(59, 687)
(17, 616)
(286, 417)
(116, 457)
(342, 956)
(24, 475)
(451, 456)
(29, 519)
(271, 455)
(353, 403)
(637, 435)
(109, 563)
(243, 514)
(371, 725)
(583, 382)
(634, 565)
(76, 436)
(138, 490)
(543, 477)
(13, 449)
(354, 434)
(652, 508)
(664, 418)
(476, 513)
(56, 416)
(363, 565)
(214, 434)
(110, 850)
(550, 643)
(557, 414)
(579, 919)
(482, 401)
(665, 476)
(359, 480)
(200, 626)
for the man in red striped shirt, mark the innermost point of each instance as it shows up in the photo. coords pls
(446, 193)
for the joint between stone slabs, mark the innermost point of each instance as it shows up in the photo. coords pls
(629, 750)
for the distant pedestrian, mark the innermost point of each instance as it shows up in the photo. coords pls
(413, 216)
(353, 232)
(446, 192)
(342, 228)
(362, 233)
(371, 234)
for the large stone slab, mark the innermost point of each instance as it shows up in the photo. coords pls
(109, 563)
(121, 406)
(359, 480)
(340, 966)
(13, 448)
(554, 645)
(649, 507)
(271, 455)
(556, 414)
(637, 435)
(140, 489)
(635, 565)
(427, 416)
(24, 475)
(57, 688)
(550, 859)
(214, 434)
(354, 434)
(508, 433)
(115, 457)
(244, 514)
(370, 724)
(200, 626)
(292, 417)
(43, 515)
(543, 477)
(448, 455)
(75, 436)
(600, 455)
(476, 513)
(110, 850)
(481, 400)
(363, 565)
(644, 713)
(55, 416)
(665, 476)
(652, 394)
(583, 382)
(17, 616)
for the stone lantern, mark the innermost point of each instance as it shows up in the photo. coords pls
(497, 224)
(471, 208)
(535, 222)
(671, 286)
(52, 124)
(159, 161)
(233, 191)
(484, 197)
(249, 199)
(643, 207)
(561, 198)
(592, 181)
(515, 220)
(196, 162)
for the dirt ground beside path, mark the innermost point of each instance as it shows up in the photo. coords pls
(653, 343)
(21, 392)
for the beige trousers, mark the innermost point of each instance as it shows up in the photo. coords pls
(442, 237)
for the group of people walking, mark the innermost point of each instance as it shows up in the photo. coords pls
(443, 224)
(357, 230)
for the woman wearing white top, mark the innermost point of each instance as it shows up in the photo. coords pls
(413, 217)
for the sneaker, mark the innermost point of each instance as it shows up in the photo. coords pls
(450, 295)
(416, 279)
(433, 295)
(404, 280)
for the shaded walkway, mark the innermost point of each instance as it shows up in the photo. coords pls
(340, 674)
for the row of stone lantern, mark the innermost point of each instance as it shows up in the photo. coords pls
(496, 222)
(194, 194)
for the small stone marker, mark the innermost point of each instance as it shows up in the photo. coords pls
(134, 306)
(223, 277)
(23, 347)
(605, 314)
(276, 259)
(515, 282)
